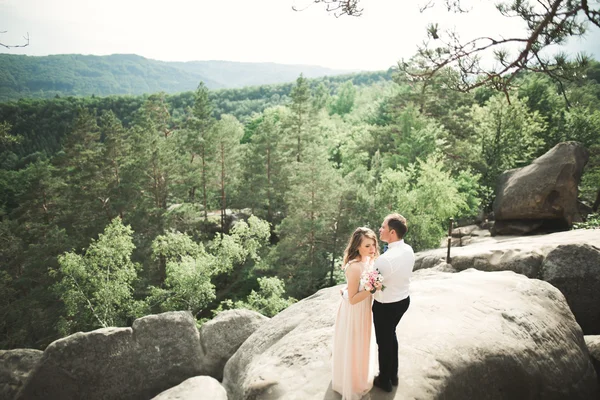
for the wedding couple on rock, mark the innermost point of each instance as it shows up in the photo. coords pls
(376, 295)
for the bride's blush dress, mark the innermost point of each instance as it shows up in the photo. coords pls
(354, 357)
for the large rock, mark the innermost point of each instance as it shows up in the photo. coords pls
(465, 235)
(223, 335)
(468, 335)
(575, 270)
(520, 227)
(543, 193)
(197, 388)
(155, 354)
(15, 367)
(523, 255)
(568, 260)
(593, 344)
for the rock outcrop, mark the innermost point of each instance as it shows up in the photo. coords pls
(465, 235)
(223, 335)
(155, 354)
(593, 344)
(542, 194)
(197, 388)
(15, 367)
(568, 260)
(467, 335)
(575, 270)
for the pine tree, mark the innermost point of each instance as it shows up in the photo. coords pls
(313, 206)
(199, 148)
(115, 155)
(264, 167)
(153, 171)
(301, 107)
(225, 137)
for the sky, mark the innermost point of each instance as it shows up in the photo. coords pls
(245, 30)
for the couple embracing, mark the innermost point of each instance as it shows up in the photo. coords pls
(376, 295)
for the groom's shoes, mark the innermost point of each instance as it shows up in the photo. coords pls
(383, 384)
(395, 381)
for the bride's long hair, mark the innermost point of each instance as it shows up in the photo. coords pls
(356, 239)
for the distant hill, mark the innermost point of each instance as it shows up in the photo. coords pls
(44, 122)
(128, 74)
(231, 74)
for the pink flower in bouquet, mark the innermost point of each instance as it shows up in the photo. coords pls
(372, 280)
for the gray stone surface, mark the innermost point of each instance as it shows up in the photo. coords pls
(197, 388)
(465, 235)
(568, 260)
(223, 335)
(155, 354)
(593, 344)
(15, 367)
(543, 192)
(519, 227)
(464, 231)
(467, 335)
(575, 270)
(441, 267)
(522, 254)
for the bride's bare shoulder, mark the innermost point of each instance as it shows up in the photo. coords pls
(352, 264)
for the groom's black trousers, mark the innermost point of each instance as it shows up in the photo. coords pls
(386, 317)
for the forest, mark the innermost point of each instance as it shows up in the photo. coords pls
(45, 77)
(121, 206)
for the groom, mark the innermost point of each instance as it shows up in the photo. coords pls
(395, 265)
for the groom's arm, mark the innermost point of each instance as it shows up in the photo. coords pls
(382, 264)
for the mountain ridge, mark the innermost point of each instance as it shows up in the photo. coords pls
(23, 76)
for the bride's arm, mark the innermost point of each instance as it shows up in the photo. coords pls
(353, 274)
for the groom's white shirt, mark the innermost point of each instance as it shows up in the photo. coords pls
(396, 266)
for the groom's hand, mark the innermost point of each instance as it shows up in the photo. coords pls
(344, 293)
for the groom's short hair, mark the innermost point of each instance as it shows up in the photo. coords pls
(397, 223)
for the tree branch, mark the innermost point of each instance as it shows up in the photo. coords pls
(545, 29)
(10, 46)
(87, 300)
(338, 7)
(549, 22)
(593, 15)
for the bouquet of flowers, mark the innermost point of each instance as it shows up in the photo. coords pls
(372, 280)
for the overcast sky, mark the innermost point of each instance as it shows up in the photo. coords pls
(243, 30)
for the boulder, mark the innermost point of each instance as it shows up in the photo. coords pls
(542, 193)
(454, 242)
(467, 335)
(517, 227)
(481, 233)
(523, 255)
(464, 231)
(197, 388)
(575, 270)
(465, 235)
(155, 354)
(441, 267)
(568, 260)
(430, 260)
(593, 344)
(15, 367)
(223, 335)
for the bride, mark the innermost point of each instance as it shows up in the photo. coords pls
(353, 368)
